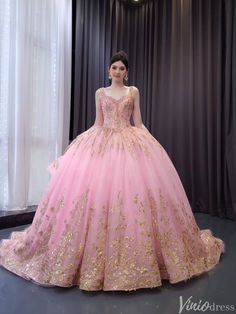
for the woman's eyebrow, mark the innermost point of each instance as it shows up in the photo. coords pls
(121, 67)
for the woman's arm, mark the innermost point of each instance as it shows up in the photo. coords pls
(99, 114)
(136, 111)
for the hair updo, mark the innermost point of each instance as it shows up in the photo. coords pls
(120, 56)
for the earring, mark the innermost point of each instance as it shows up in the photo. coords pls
(126, 78)
(109, 77)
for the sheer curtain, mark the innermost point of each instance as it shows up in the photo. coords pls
(35, 82)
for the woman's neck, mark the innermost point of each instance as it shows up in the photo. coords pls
(117, 85)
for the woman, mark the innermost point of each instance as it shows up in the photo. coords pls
(114, 215)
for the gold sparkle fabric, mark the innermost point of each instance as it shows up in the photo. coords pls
(114, 215)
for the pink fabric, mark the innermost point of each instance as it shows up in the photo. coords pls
(114, 215)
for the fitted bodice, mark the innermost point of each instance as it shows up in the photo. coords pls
(116, 112)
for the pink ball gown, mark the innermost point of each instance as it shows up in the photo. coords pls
(114, 215)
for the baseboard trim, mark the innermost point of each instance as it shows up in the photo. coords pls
(9, 219)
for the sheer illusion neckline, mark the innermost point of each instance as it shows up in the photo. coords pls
(118, 99)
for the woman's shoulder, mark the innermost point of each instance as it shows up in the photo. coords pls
(99, 90)
(109, 87)
(134, 88)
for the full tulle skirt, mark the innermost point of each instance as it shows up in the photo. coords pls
(114, 216)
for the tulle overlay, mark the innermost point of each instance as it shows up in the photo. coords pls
(114, 215)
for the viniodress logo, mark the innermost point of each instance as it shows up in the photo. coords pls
(202, 306)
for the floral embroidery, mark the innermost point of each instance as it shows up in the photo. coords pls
(115, 217)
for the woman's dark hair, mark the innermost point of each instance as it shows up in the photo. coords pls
(120, 56)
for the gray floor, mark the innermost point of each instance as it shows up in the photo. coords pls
(19, 296)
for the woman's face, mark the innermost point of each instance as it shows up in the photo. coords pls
(118, 71)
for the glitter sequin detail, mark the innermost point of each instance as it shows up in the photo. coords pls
(114, 215)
